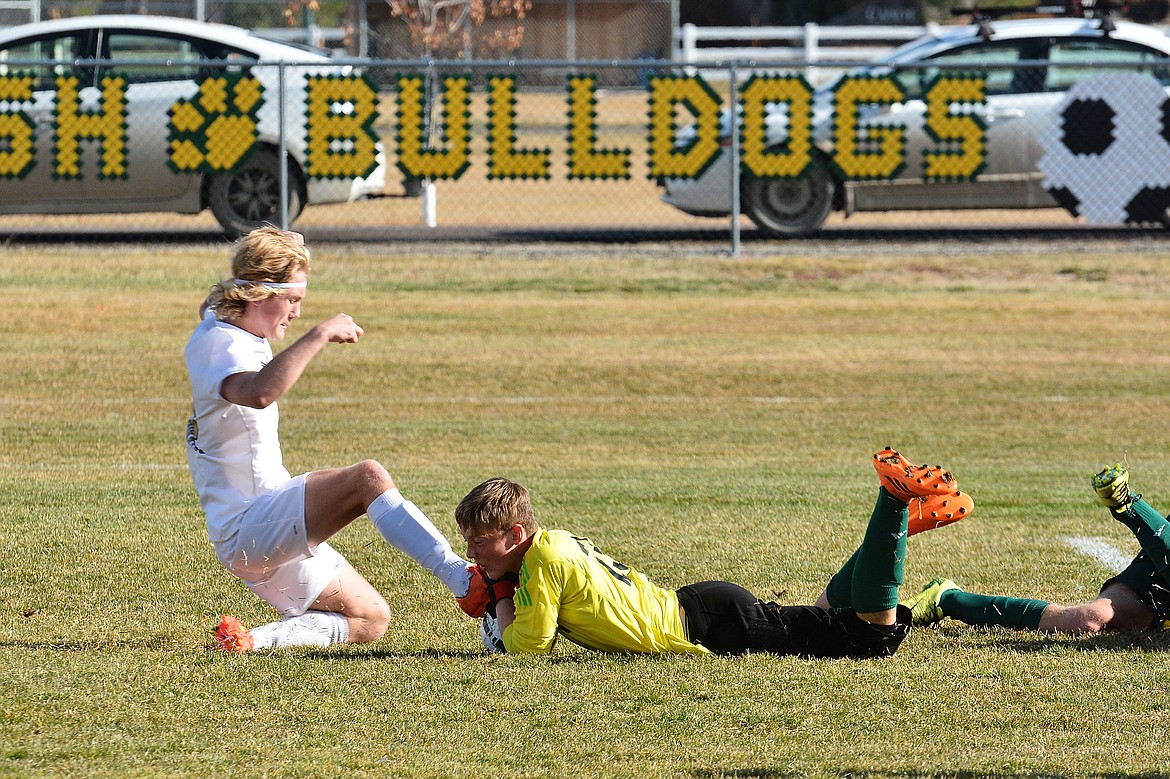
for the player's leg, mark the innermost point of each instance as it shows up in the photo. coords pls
(335, 497)
(1116, 608)
(1131, 600)
(878, 565)
(868, 582)
(727, 619)
(363, 607)
(942, 598)
(1151, 529)
(324, 600)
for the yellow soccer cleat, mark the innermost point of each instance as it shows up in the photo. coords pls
(1111, 484)
(924, 607)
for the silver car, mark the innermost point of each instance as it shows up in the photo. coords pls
(1020, 103)
(240, 198)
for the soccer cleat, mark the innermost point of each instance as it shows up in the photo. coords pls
(231, 636)
(1111, 484)
(907, 481)
(924, 607)
(935, 511)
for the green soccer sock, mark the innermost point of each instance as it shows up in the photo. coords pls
(989, 610)
(840, 590)
(877, 566)
(1152, 531)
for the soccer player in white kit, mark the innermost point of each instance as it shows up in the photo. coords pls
(269, 528)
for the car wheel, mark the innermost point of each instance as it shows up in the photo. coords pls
(785, 207)
(249, 196)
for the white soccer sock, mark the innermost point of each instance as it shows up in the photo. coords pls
(408, 530)
(313, 628)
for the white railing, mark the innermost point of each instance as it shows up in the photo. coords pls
(314, 35)
(808, 43)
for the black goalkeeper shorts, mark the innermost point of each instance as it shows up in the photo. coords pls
(729, 620)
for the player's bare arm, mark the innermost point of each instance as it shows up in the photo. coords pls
(505, 612)
(259, 389)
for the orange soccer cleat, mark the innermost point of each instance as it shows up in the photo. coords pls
(231, 636)
(907, 481)
(938, 510)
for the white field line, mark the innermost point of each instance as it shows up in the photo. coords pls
(1101, 551)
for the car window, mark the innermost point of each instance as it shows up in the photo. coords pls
(61, 50)
(165, 57)
(1073, 61)
(992, 58)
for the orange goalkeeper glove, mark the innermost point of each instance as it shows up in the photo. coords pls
(484, 592)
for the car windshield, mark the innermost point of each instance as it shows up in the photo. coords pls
(909, 52)
(914, 51)
(1015, 66)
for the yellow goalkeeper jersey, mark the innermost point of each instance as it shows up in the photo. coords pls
(568, 587)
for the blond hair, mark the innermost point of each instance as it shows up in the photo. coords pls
(265, 254)
(496, 505)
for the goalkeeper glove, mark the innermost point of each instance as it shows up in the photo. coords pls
(484, 592)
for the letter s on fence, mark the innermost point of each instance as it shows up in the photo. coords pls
(961, 134)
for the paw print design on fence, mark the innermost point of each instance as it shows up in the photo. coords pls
(217, 128)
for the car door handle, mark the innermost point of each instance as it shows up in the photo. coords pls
(1001, 114)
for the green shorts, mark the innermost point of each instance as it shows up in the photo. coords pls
(1149, 586)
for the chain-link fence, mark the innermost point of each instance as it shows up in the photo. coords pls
(543, 146)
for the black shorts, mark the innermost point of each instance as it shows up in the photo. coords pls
(729, 620)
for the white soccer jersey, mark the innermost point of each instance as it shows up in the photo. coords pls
(233, 451)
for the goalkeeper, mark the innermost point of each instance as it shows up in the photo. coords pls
(565, 586)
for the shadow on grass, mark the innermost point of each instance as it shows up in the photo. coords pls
(570, 659)
(347, 653)
(1108, 642)
(863, 773)
(352, 652)
(138, 644)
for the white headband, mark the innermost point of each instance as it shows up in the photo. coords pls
(272, 284)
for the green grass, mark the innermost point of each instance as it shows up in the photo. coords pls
(697, 417)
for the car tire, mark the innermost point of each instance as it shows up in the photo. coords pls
(249, 196)
(790, 208)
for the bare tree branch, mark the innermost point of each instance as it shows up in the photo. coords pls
(457, 26)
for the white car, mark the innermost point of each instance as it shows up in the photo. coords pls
(240, 198)
(1021, 101)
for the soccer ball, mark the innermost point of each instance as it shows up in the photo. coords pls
(1107, 150)
(489, 632)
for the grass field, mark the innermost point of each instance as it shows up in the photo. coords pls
(697, 417)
